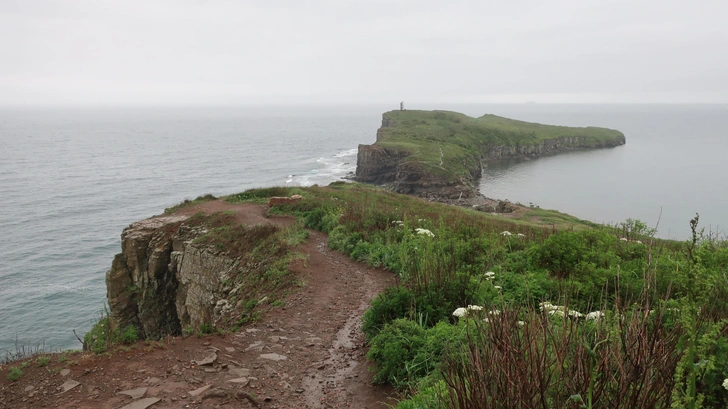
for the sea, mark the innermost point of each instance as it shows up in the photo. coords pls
(71, 179)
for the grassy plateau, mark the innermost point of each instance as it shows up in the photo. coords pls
(451, 145)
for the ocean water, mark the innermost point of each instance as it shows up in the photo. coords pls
(674, 165)
(71, 180)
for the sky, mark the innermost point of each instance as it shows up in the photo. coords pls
(212, 52)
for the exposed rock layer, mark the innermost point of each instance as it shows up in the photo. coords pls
(161, 282)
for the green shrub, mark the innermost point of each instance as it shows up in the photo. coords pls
(127, 335)
(98, 338)
(393, 303)
(324, 219)
(206, 329)
(42, 360)
(342, 241)
(427, 397)
(404, 352)
(14, 374)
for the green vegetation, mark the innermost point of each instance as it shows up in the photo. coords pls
(575, 314)
(205, 329)
(101, 337)
(450, 144)
(262, 195)
(14, 374)
(43, 360)
(187, 202)
(578, 316)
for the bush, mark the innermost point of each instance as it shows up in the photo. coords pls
(206, 329)
(43, 360)
(427, 397)
(100, 337)
(393, 303)
(127, 335)
(405, 352)
(324, 219)
(14, 374)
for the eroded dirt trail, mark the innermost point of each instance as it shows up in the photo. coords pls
(309, 354)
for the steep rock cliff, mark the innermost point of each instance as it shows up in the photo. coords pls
(544, 148)
(162, 282)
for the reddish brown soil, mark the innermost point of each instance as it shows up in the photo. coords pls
(318, 333)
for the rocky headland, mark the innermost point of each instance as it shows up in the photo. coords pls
(441, 154)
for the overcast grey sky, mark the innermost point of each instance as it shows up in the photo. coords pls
(298, 51)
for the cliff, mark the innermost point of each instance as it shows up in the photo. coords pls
(187, 270)
(440, 154)
(162, 281)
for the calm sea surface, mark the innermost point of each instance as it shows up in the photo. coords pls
(71, 180)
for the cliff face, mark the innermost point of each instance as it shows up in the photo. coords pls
(380, 166)
(549, 147)
(161, 282)
(377, 165)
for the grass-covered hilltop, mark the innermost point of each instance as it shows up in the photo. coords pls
(440, 153)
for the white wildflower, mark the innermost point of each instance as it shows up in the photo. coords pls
(575, 314)
(497, 287)
(547, 306)
(420, 220)
(460, 312)
(505, 233)
(424, 232)
(595, 315)
(489, 274)
(521, 323)
(622, 239)
(557, 313)
(638, 242)
(725, 383)
(494, 312)
(475, 308)
(520, 235)
(486, 320)
(398, 222)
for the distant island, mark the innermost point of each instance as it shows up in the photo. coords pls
(440, 154)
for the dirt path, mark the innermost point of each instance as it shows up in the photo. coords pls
(308, 354)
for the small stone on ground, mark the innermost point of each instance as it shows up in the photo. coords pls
(142, 404)
(135, 393)
(198, 391)
(69, 384)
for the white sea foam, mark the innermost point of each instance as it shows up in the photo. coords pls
(326, 169)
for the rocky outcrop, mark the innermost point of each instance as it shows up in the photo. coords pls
(162, 282)
(381, 166)
(412, 179)
(394, 168)
(377, 165)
